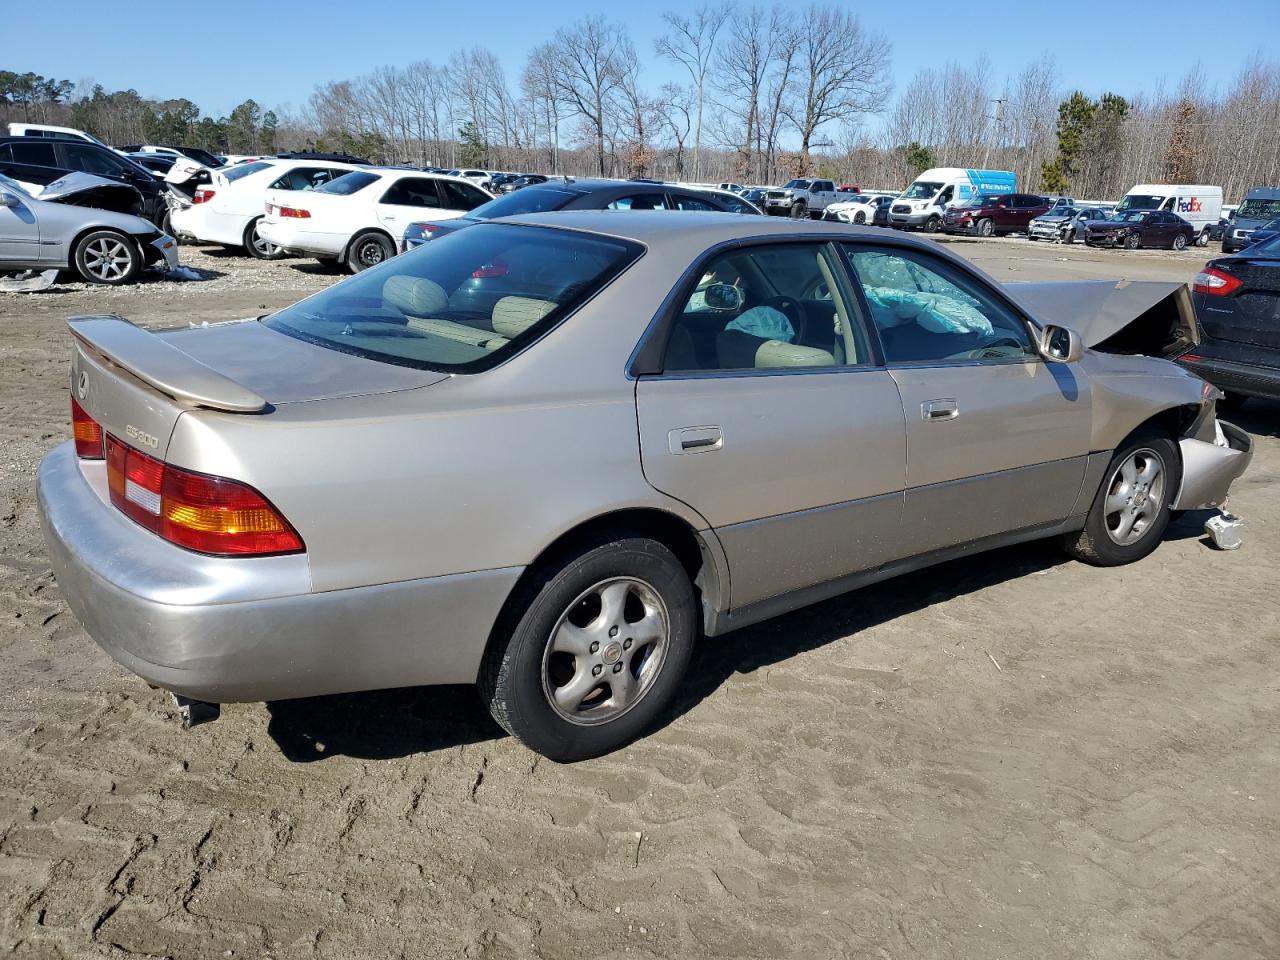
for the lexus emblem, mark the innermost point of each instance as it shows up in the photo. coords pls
(82, 387)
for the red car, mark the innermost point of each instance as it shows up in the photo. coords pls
(994, 213)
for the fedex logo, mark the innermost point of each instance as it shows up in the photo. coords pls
(1189, 205)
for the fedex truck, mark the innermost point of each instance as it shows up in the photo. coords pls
(921, 205)
(1199, 205)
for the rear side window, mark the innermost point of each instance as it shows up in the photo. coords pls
(684, 202)
(241, 170)
(349, 183)
(303, 178)
(528, 200)
(412, 192)
(37, 154)
(461, 303)
(642, 201)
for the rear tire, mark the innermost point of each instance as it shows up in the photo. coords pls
(107, 257)
(1131, 509)
(258, 248)
(1179, 243)
(368, 250)
(591, 649)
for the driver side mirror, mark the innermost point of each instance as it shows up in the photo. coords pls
(722, 296)
(1060, 345)
(8, 200)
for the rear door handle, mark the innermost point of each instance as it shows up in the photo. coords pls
(944, 409)
(695, 440)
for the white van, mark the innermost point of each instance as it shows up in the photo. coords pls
(1199, 205)
(49, 130)
(921, 205)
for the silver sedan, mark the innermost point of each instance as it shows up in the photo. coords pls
(544, 454)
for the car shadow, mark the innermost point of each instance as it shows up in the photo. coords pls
(1258, 416)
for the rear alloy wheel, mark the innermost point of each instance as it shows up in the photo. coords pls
(1131, 509)
(1179, 242)
(368, 250)
(596, 650)
(1132, 242)
(985, 227)
(107, 256)
(259, 248)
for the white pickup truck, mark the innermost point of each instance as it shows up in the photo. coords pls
(801, 197)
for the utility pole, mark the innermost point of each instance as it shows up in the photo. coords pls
(999, 124)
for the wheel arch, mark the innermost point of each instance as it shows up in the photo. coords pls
(700, 554)
(98, 228)
(346, 248)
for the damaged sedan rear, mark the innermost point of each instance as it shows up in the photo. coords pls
(543, 455)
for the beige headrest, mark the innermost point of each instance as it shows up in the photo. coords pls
(512, 316)
(775, 353)
(414, 296)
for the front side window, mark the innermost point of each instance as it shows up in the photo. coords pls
(928, 310)
(463, 302)
(462, 196)
(683, 202)
(89, 160)
(412, 192)
(765, 307)
(641, 201)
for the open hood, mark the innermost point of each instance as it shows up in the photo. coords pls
(87, 190)
(1151, 317)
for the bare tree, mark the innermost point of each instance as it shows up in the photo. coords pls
(742, 67)
(690, 41)
(842, 72)
(588, 59)
(676, 115)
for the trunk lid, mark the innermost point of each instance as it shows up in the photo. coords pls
(137, 383)
(1251, 314)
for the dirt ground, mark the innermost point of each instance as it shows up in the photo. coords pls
(1010, 756)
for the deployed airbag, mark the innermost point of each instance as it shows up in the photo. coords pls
(935, 312)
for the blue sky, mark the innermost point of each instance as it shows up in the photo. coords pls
(218, 53)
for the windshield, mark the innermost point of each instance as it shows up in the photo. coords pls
(1259, 209)
(797, 185)
(1135, 201)
(1131, 216)
(14, 186)
(528, 200)
(233, 174)
(921, 190)
(463, 302)
(348, 183)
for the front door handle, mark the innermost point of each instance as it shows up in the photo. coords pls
(945, 409)
(695, 440)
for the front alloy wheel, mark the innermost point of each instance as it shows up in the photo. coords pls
(108, 257)
(1135, 497)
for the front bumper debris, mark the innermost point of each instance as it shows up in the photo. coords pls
(1209, 468)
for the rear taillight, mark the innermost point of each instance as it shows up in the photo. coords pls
(207, 514)
(203, 195)
(297, 213)
(495, 269)
(87, 432)
(1215, 282)
(428, 230)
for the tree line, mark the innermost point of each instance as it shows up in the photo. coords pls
(764, 93)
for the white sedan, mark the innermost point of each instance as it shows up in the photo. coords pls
(228, 208)
(356, 218)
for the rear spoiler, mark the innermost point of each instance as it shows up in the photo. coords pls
(161, 365)
(1152, 317)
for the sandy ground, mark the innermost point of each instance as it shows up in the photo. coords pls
(1013, 756)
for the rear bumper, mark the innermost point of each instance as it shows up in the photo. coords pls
(292, 240)
(1246, 379)
(248, 629)
(1208, 470)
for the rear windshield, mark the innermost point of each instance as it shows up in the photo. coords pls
(348, 183)
(243, 170)
(528, 200)
(463, 302)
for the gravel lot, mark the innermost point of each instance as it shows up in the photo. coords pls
(1010, 756)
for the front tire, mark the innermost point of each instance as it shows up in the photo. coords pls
(799, 211)
(933, 224)
(1132, 242)
(368, 250)
(592, 650)
(985, 227)
(1203, 239)
(107, 257)
(1131, 509)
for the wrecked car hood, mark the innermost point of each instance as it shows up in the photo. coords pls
(88, 190)
(1151, 317)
